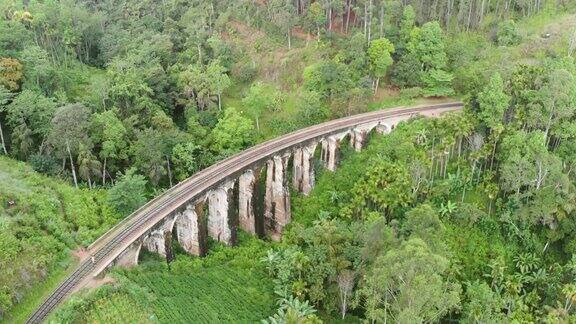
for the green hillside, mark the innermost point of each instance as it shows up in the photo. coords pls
(41, 221)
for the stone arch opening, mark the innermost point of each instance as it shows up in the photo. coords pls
(233, 212)
(258, 197)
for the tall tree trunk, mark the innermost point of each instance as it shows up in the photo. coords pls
(480, 171)
(370, 22)
(169, 171)
(432, 160)
(381, 20)
(72, 164)
(344, 305)
(481, 12)
(289, 40)
(450, 7)
(330, 17)
(469, 16)
(365, 21)
(104, 172)
(493, 154)
(572, 44)
(347, 15)
(2, 139)
(220, 102)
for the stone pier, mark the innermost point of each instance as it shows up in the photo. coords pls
(324, 151)
(247, 187)
(358, 138)
(383, 128)
(189, 229)
(277, 198)
(219, 227)
(129, 257)
(303, 168)
(330, 150)
(155, 241)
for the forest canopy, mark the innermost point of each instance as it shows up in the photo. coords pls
(465, 218)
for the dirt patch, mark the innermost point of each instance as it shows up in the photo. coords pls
(549, 35)
(298, 32)
(386, 92)
(559, 28)
(81, 254)
(247, 33)
(97, 282)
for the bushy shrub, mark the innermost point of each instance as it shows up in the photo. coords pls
(128, 193)
(44, 164)
(411, 93)
(328, 78)
(438, 83)
(508, 33)
(245, 72)
(312, 109)
(406, 72)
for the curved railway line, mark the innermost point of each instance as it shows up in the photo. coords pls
(111, 244)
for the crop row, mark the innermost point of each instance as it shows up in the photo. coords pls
(215, 294)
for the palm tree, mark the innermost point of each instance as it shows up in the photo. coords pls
(88, 166)
(421, 136)
(448, 208)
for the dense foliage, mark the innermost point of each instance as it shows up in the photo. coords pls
(41, 220)
(424, 226)
(467, 218)
(90, 90)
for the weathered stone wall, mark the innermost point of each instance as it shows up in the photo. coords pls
(303, 168)
(277, 198)
(218, 213)
(129, 257)
(189, 229)
(155, 241)
(247, 185)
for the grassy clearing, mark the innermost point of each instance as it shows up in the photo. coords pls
(216, 294)
(118, 308)
(41, 220)
(229, 285)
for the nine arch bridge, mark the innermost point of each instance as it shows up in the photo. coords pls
(249, 190)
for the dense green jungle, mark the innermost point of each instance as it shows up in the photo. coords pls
(466, 218)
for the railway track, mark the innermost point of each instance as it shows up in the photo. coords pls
(116, 240)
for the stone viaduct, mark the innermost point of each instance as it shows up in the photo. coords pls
(250, 191)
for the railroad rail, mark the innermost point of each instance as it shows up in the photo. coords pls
(111, 244)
